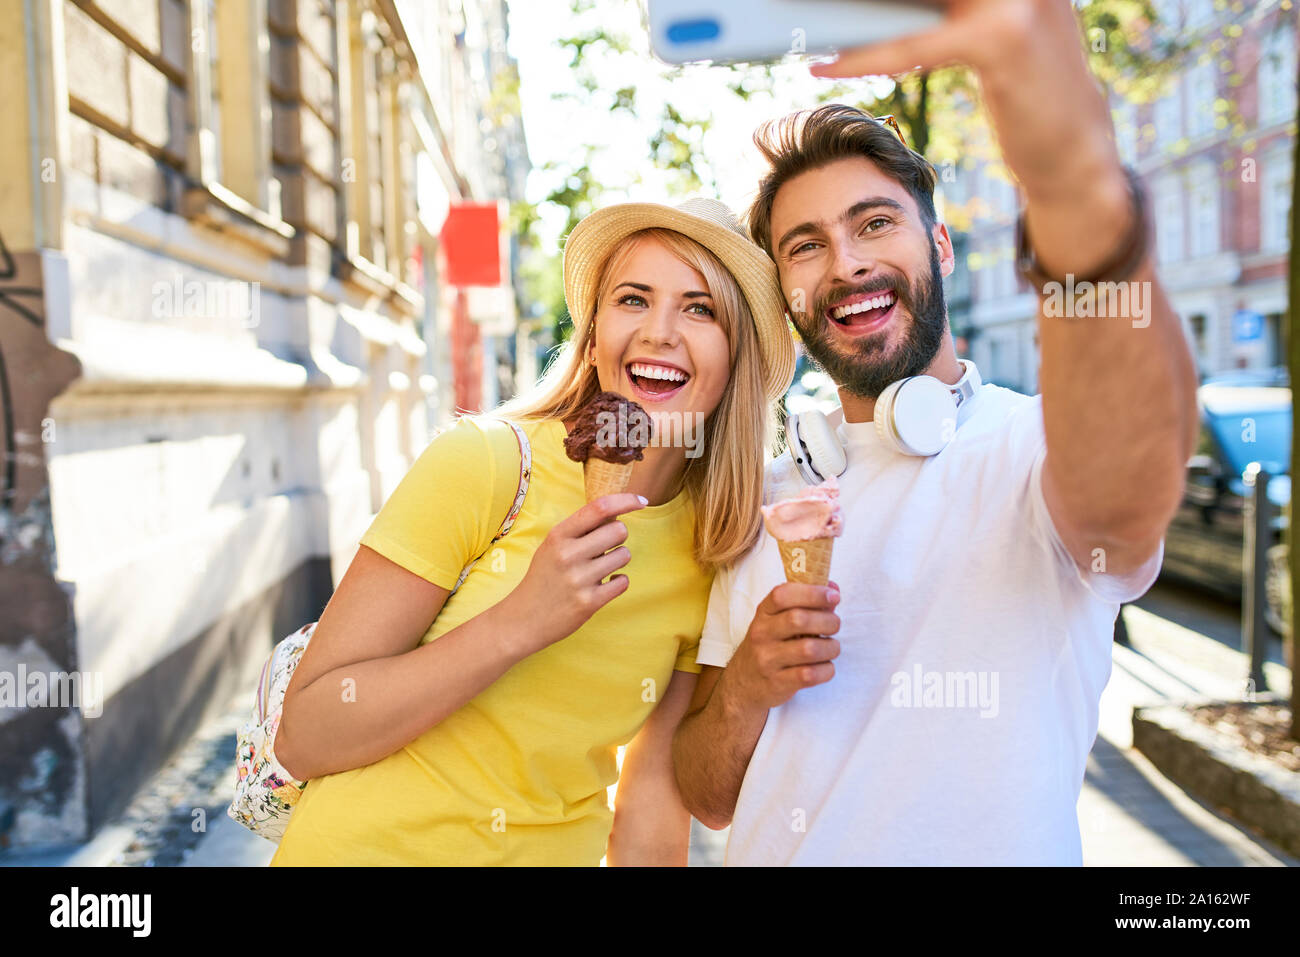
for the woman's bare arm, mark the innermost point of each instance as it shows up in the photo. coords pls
(342, 711)
(651, 825)
(365, 687)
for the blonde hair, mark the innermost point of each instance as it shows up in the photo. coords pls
(725, 482)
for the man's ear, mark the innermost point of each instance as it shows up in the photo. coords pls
(947, 261)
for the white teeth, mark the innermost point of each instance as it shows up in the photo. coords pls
(657, 372)
(877, 303)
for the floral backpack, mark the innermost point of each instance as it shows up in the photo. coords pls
(265, 792)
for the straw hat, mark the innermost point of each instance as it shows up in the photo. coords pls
(715, 227)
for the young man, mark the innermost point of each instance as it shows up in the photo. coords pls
(949, 719)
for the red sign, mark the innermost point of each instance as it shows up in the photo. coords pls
(471, 245)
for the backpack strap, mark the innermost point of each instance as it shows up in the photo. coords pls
(518, 444)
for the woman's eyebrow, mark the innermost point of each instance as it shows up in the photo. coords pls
(642, 287)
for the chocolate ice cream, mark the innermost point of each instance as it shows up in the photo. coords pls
(610, 428)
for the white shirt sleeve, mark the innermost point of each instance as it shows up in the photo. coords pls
(716, 640)
(1100, 583)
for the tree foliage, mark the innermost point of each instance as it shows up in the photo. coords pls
(938, 111)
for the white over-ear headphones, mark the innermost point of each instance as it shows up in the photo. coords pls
(914, 416)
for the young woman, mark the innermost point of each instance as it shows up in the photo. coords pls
(482, 728)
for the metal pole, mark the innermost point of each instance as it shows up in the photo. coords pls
(1256, 541)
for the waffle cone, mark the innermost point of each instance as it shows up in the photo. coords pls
(807, 562)
(605, 478)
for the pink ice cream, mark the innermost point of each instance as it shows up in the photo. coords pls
(815, 513)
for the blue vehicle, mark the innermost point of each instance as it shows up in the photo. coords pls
(1245, 418)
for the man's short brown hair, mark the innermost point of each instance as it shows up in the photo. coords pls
(811, 139)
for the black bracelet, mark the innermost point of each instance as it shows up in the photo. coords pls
(1119, 268)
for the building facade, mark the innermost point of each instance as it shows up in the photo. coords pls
(1216, 153)
(223, 342)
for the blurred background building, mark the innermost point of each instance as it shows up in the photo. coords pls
(228, 325)
(1215, 152)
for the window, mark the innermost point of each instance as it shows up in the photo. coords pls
(954, 188)
(1277, 77)
(998, 193)
(379, 180)
(1274, 342)
(1196, 327)
(1169, 116)
(1007, 271)
(1205, 211)
(1007, 199)
(1275, 200)
(377, 142)
(998, 360)
(978, 276)
(212, 155)
(233, 103)
(1201, 95)
(1169, 219)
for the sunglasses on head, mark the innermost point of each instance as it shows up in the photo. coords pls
(888, 120)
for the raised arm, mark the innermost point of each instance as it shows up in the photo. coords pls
(1119, 389)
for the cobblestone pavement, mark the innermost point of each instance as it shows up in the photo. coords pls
(175, 812)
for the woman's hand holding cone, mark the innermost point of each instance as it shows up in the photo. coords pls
(565, 582)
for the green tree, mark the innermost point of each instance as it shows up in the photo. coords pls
(938, 111)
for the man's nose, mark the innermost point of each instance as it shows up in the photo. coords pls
(852, 264)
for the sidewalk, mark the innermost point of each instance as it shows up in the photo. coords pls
(1129, 814)
(179, 817)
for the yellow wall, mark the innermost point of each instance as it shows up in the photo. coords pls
(16, 155)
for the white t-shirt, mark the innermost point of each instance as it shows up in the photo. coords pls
(973, 656)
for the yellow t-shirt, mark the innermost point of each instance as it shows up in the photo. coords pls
(519, 774)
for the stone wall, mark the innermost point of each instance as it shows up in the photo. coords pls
(42, 768)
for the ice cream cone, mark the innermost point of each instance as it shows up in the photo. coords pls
(605, 478)
(807, 562)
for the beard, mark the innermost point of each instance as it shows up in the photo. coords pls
(867, 369)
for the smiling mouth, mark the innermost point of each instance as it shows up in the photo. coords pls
(655, 382)
(864, 313)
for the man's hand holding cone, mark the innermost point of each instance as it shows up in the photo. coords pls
(788, 645)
